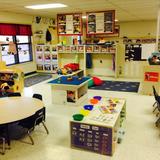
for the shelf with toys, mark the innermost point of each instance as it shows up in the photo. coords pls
(103, 59)
(11, 80)
(72, 57)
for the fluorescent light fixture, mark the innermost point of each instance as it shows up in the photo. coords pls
(47, 6)
(116, 20)
(84, 17)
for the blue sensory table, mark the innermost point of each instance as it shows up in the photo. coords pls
(75, 80)
(69, 89)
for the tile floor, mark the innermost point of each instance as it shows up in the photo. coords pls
(141, 140)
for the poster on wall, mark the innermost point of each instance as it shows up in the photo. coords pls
(133, 52)
(151, 76)
(100, 22)
(138, 52)
(69, 24)
(46, 58)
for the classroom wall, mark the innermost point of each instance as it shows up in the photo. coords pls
(136, 29)
(6, 17)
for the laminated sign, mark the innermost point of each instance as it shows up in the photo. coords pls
(151, 76)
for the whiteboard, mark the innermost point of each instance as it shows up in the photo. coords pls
(147, 50)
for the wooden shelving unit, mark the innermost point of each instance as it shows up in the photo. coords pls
(14, 78)
(106, 59)
(99, 132)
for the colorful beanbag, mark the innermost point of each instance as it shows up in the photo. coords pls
(90, 83)
(97, 81)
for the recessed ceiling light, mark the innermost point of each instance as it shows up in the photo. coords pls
(46, 6)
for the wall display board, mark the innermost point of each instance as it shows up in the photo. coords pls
(69, 24)
(138, 52)
(46, 58)
(133, 52)
(100, 22)
(151, 77)
(94, 38)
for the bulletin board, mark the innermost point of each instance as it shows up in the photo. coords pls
(138, 52)
(69, 24)
(100, 22)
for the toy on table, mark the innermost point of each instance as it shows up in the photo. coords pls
(102, 118)
(113, 101)
(64, 71)
(59, 80)
(93, 101)
(88, 107)
(84, 112)
(72, 66)
(61, 71)
(69, 78)
(79, 78)
(78, 117)
(97, 97)
(104, 109)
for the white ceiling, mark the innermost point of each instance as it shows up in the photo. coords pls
(126, 10)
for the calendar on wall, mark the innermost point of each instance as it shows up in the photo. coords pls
(69, 24)
(100, 22)
(46, 58)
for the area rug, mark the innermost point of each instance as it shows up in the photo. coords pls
(29, 81)
(122, 86)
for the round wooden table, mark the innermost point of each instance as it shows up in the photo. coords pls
(17, 108)
(13, 109)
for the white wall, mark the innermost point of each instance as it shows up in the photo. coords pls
(129, 29)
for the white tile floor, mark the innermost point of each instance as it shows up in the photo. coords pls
(141, 140)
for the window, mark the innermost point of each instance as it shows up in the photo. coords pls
(16, 49)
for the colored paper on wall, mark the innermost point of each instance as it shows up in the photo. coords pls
(151, 76)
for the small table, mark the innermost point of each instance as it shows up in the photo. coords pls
(13, 109)
(98, 132)
(73, 91)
